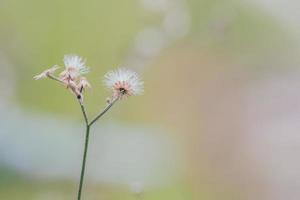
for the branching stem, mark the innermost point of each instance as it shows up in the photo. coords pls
(86, 144)
(109, 105)
(87, 132)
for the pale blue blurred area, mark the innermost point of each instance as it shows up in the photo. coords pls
(49, 147)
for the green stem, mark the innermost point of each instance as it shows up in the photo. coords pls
(87, 134)
(84, 161)
(104, 111)
(83, 112)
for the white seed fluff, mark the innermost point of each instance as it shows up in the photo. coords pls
(124, 79)
(76, 62)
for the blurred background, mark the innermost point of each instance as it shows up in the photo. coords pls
(219, 118)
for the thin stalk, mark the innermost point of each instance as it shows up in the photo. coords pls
(83, 112)
(87, 134)
(103, 111)
(84, 161)
(54, 78)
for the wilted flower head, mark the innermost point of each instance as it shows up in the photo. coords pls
(75, 66)
(123, 82)
(71, 77)
(46, 73)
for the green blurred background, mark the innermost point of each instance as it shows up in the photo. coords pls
(219, 118)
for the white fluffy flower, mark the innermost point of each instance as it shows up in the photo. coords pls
(75, 62)
(124, 82)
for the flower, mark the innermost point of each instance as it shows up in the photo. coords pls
(75, 66)
(124, 82)
(46, 73)
(74, 61)
(71, 77)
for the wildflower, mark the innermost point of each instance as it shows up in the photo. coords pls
(123, 82)
(71, 77)
(74, 67)
(46, 73)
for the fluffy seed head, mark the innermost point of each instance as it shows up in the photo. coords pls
(75, 64)
(124, 82)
